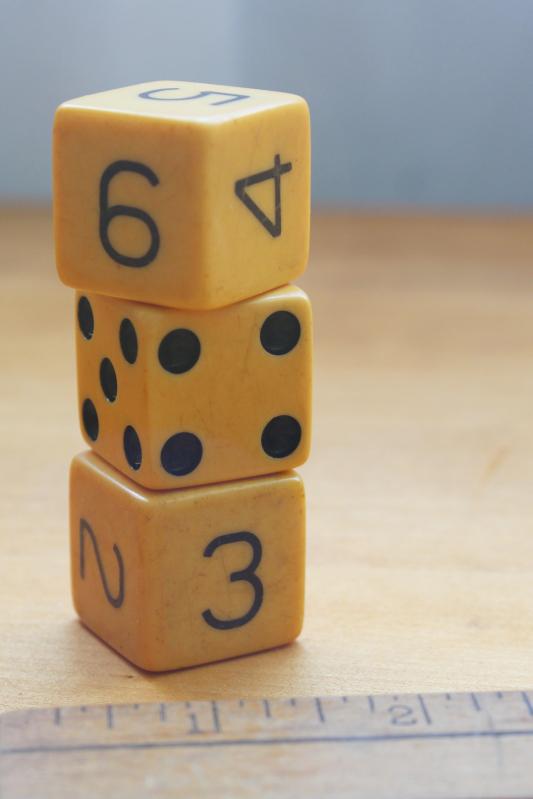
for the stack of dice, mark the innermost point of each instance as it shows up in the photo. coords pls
(181, 213)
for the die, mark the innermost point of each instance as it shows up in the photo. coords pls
(179, 398)
(177, 578)
(181, 194)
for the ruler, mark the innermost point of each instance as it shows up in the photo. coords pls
(451, 746)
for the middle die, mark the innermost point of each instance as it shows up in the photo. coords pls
(178, 398)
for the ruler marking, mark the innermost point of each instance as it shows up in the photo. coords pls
(527, 702)
(57, 717)
(293, 702)
(233, 742)
(266, 708)
(371, 704)
(320, 710)
(162, 712)
(216, 717)
(475, 701)
(195, 729)
(424, 709)
(110, 721)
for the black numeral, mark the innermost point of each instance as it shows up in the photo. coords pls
(279, 169)
(152, 94)
(118, 599)
(401, 715)
(109, 212)
(247, 574)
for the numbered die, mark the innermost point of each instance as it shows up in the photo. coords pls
(176, 578)
(181, 194)
(178, 398)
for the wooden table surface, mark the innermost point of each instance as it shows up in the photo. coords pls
(419, 486)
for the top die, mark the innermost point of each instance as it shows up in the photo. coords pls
(185, 195)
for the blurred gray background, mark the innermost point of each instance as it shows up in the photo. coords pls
(414, 102)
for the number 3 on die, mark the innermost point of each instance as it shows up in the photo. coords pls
(248, 575)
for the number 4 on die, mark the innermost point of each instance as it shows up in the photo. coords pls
(272, 227)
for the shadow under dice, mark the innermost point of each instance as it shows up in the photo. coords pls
(179, 398)
(177, 578)
(181, 194)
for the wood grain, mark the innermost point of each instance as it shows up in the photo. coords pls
(419, 485)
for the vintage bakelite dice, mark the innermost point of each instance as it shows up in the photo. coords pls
(176, 578)
(181, 216)
(181, 194)
(177, 398)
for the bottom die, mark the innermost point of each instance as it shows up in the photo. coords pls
(177, 578)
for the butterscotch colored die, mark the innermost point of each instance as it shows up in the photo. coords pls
(177, 578)
(181, 194)
(178, 398)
